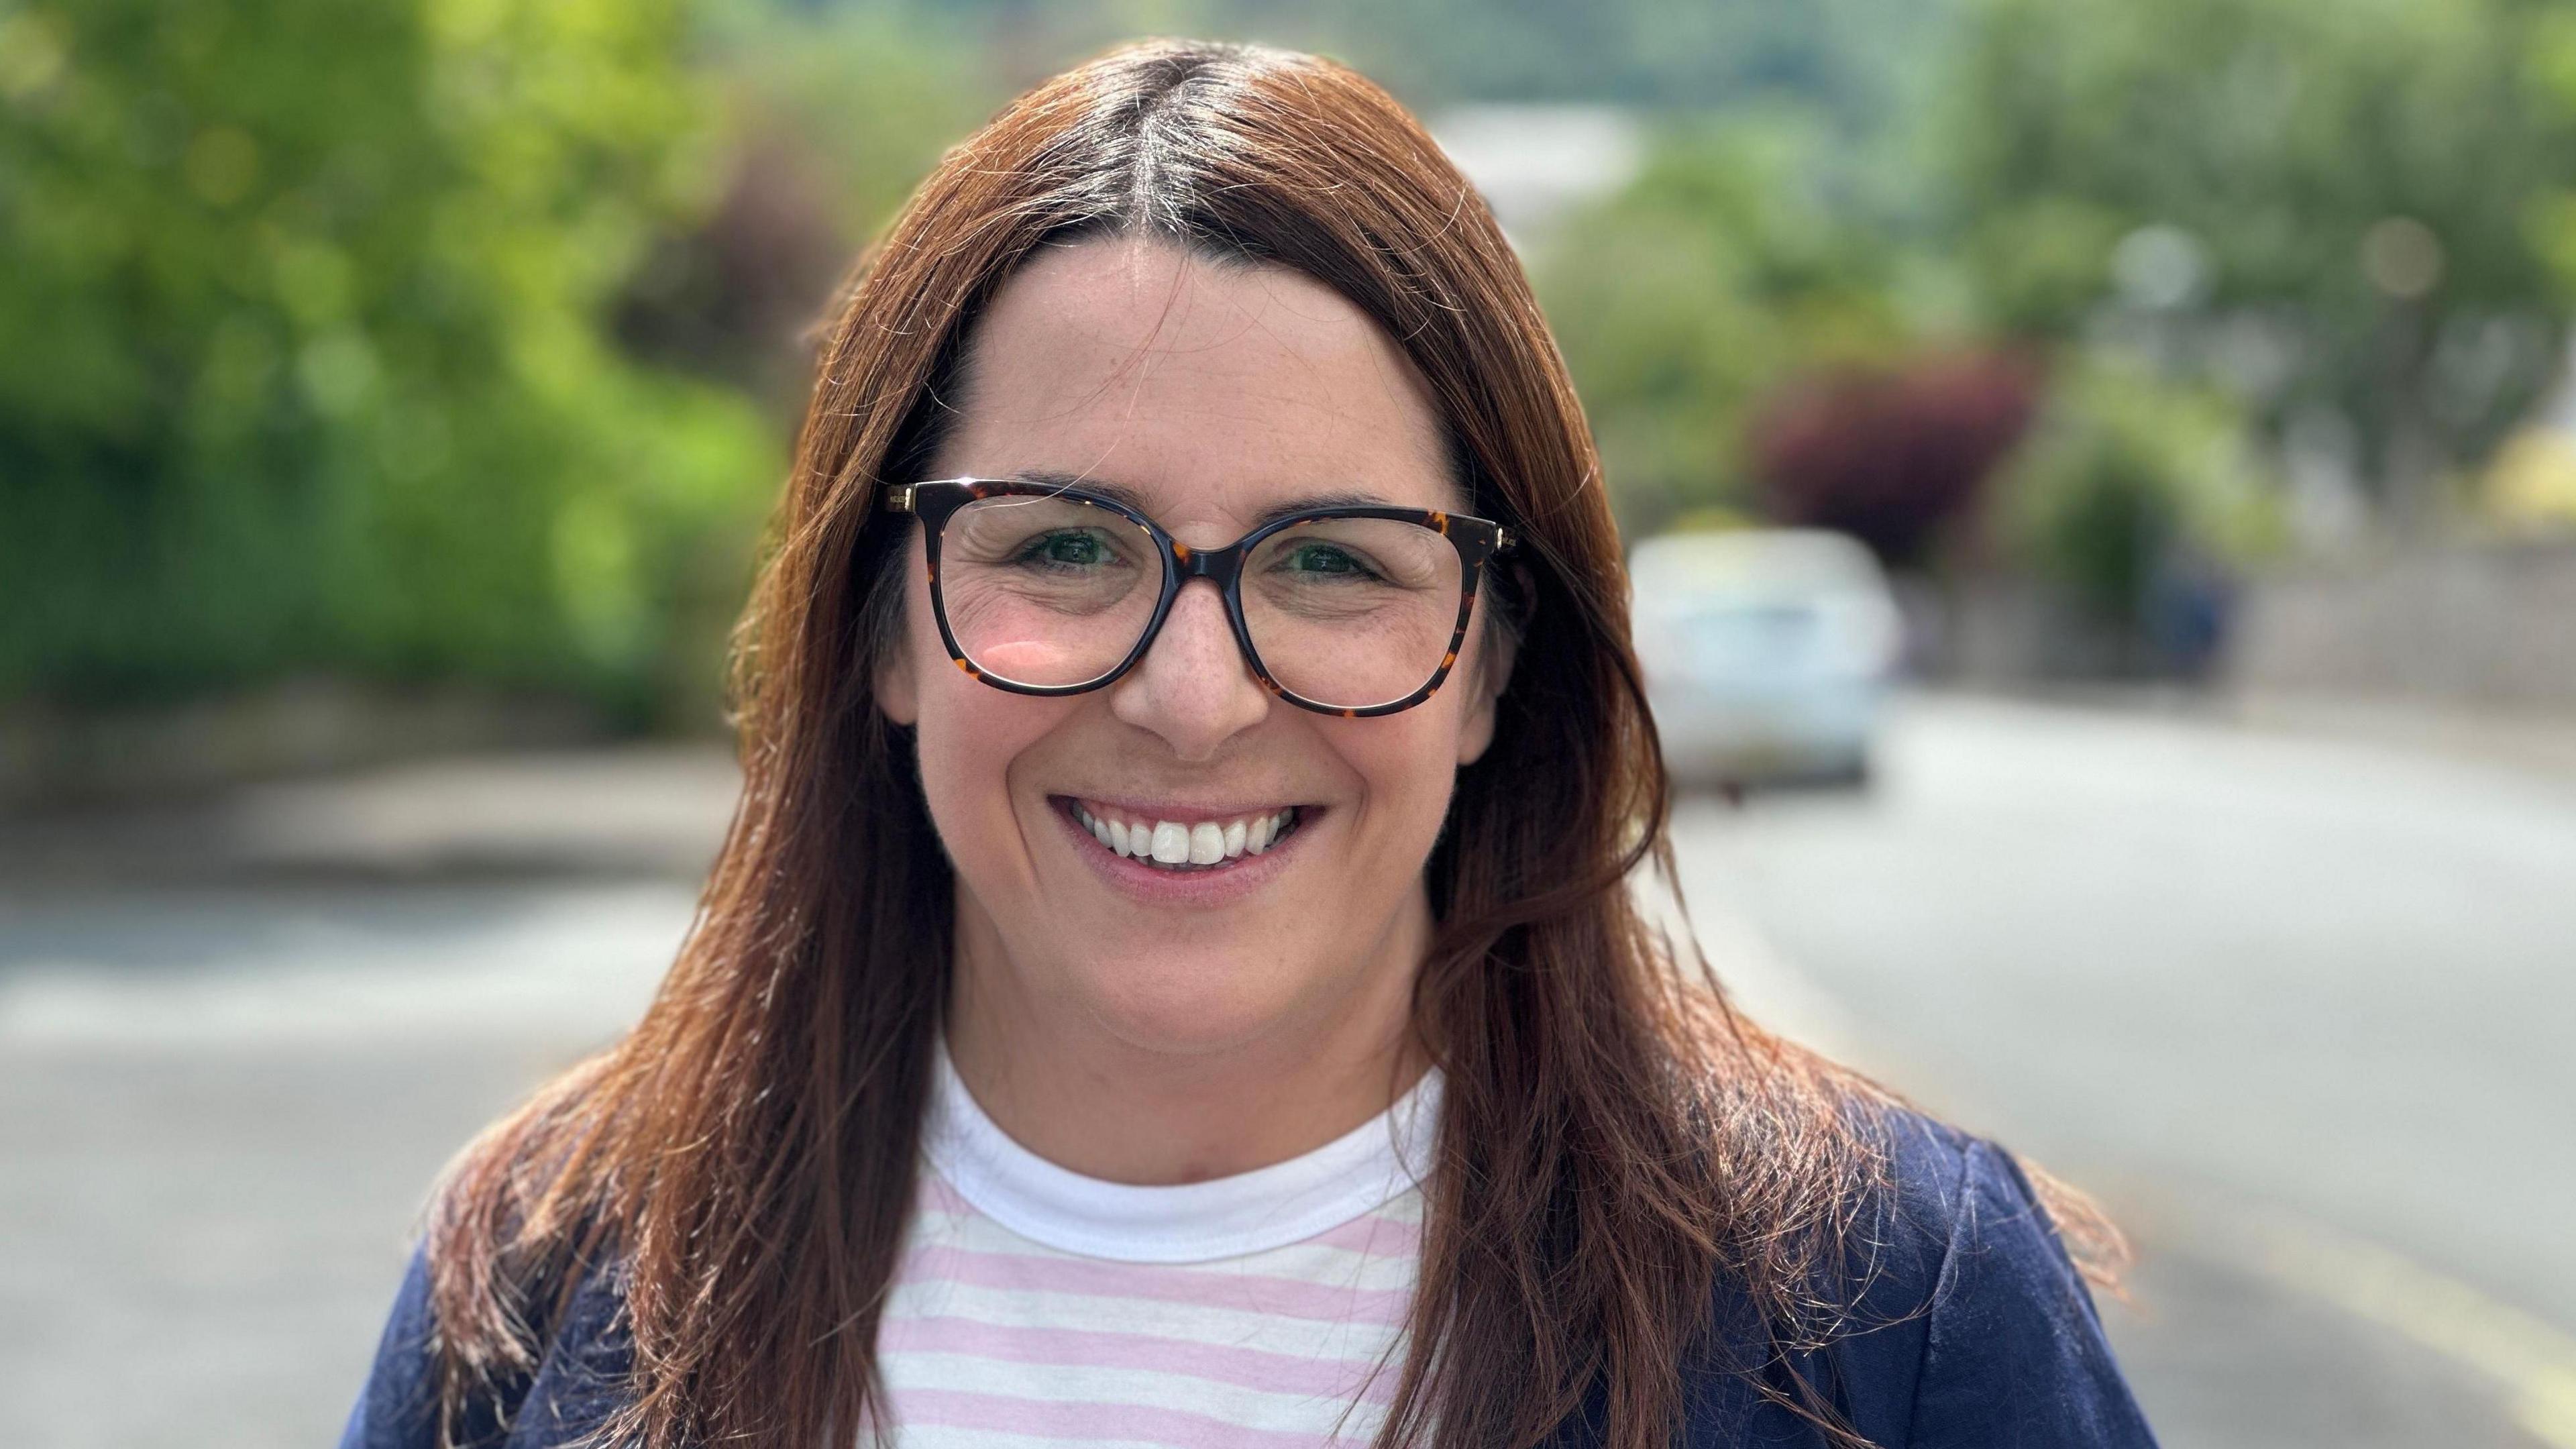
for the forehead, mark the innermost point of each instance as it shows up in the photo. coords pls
(1212, 392)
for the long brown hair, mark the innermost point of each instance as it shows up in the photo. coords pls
(1615, 1143)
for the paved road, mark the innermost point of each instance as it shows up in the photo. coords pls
(2302, 1012)
(220, 1111)
(2296, 1010)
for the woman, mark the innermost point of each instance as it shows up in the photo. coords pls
(1172, 977)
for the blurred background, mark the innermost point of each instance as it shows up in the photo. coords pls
(2105, 473)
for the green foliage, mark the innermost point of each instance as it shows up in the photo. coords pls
(1727, 267)
(1857, 60)
(454, 338)
(874, 93)
(828, 118)
(2350, 188)
(2125, 473)
(309, 367)
(2276, 131)
(2349, 220)
(2548, 50)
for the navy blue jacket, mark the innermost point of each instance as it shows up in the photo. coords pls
(1970, 1330)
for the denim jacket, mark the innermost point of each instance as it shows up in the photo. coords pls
(1970, 1329)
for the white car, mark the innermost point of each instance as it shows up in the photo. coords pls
(1767, 653)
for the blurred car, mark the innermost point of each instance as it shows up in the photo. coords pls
(1767, 653)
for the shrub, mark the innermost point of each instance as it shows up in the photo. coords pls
(309, 368)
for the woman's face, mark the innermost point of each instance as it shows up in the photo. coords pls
(1211, 396)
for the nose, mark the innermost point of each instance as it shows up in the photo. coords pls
(1193, 687)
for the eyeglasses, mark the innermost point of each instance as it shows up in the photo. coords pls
(1354, 611)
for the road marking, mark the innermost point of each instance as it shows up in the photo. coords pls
(2534, 1360)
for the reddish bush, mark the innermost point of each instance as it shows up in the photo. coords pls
(1890, 456)
(736, 297)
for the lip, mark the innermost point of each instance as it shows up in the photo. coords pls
(1199, 889)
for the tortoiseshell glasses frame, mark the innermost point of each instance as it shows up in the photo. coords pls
(1477, 541)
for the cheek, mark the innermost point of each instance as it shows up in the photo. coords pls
(1409, 762)
(968, 736)
(1476, 683)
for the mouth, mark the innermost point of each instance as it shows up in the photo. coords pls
(1185, 845)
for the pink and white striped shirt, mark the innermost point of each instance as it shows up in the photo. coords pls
(1037, 1306)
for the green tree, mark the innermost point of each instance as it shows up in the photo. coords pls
(1858, 61)
(2326, 207)
(1733, 263)
(2124, 472)
(829, 117)
(308, 365)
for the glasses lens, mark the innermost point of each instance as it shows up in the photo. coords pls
(1352, 612)
(1046, 591)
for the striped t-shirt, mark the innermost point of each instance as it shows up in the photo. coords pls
(1038, 1306)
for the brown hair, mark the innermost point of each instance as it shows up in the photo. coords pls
(1614, 1142)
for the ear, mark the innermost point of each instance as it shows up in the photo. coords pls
(1501, 650)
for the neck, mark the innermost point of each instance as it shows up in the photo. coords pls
(1065, 1085)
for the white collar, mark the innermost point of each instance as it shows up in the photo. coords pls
(1226, 1217)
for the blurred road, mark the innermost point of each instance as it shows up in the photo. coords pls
(221, 1108)
(2299, 1011)
(2295, 1009)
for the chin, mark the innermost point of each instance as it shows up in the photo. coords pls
(1184, 1006)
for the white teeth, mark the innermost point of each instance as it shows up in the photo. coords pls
(1274, 826)
(1173, 843)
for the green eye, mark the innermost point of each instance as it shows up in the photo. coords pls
(1327, 560)
(1066, 548)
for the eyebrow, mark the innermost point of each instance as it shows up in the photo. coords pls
(1120, 493)
(1342, 499)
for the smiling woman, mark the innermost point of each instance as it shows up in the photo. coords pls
(1172, 978)
(1255, 1005)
